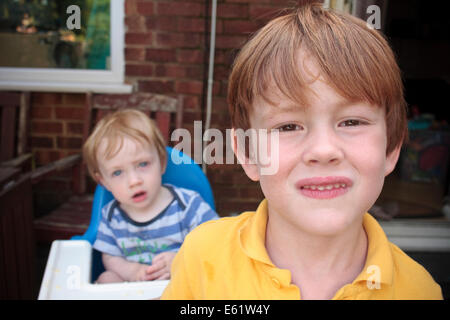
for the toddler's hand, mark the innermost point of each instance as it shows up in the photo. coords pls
(160, 268)
(140, 273)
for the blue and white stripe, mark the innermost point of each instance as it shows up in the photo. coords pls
(119, 235)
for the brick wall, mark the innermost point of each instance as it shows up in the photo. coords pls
(166, 51)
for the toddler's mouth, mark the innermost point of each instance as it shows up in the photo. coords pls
(139, 196)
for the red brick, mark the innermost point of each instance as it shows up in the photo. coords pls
(136, 24)
(144, 8)
(226, 10)
(180, 8)
(191, 56)
(46, 98)
(178, 40)
(221, 104)
(69, 143)
(41, 142)
(221, 72)
(235, 206)
(160, 55)
(230, 42)
(171, 71)
(38, 112)
(264, 12)
(240, 26)
(138, 38)
(156, 86)
(69, 113)
(138, 70)
(74, 128)
(46, 127)
(191, 102)
(164, 23)
(220, 57)
(136, 54)
(190, 87)
(195, 72)
(251, 192)
(130, 7)
(74, 99)
(219, 26)
(46, 156)
(192, 115)
(252, 1)
(191, 25)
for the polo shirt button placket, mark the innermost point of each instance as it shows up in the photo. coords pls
(276, 283)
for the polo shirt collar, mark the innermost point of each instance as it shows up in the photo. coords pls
(379, 254)
(252, 237)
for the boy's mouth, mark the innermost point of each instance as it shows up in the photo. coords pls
(139, 196)
(324, 187)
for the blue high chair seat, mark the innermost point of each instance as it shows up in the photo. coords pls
(181, 171)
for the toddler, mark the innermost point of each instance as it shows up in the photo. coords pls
(144, 226)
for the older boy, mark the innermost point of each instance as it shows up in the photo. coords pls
(332, 90)
(144, 226)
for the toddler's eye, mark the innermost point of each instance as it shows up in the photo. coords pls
(350, 123)
(117, 173)
(143, 164)
(289, 127)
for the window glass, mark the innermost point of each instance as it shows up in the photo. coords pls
(73, 34)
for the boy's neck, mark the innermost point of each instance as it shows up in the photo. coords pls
(332, 261)
(161, 201)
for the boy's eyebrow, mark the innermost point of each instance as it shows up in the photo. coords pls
(291, 107)
(145, 158)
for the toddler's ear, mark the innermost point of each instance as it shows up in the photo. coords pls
(250, 167)
(391, 160)
(99, 179)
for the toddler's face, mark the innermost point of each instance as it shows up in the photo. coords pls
(332, 160)
(133, 175)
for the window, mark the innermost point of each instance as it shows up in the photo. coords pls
(62, 45)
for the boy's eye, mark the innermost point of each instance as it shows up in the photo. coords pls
(143, 164)
(117, 173)
(350, 123)
(289, 127)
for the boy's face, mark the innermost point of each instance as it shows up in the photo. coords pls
(332, 160)
(133, 175)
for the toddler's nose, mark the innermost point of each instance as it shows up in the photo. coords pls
(134, 179)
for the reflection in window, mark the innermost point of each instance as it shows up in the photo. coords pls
(35, 34)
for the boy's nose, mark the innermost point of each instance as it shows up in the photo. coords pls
(322, 148)
(134, 179)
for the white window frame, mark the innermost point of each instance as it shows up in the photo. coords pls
(71, 80)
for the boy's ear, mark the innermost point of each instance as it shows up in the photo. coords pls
(251, 169)
(391, 160)
(99, 179)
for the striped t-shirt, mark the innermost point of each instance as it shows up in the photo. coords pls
(119, 235)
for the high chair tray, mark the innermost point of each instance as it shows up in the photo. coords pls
(68, 273)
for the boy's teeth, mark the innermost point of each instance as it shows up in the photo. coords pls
(326, 187)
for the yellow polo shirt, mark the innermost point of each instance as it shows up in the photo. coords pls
(227, 259)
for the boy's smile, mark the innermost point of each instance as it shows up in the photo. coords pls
(324, 188)
(332, 158)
